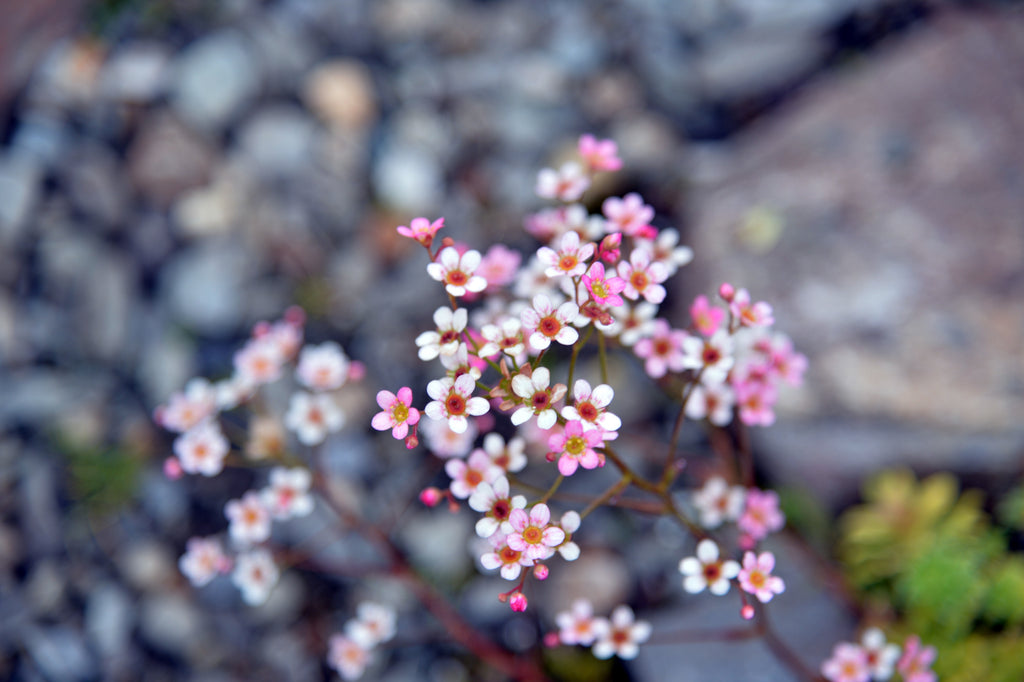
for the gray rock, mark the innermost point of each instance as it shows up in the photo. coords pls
(109, 619)
(277, 140)
(213, 79)
(754, 63)
(40, 136)
(60, 653)
(40, 514)
(148, 565)
(45, 588)
(137, 72)
(95, 187)
(172, 624)
(167, 159)
(19, 189)
(408, 179)
(205, 286)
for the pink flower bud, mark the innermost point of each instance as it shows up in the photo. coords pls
(295, 316)
(172, 468)
(551, 456)
(747, 612)
(518, 602)
(430, 496)
(726, 291)
(540, 571)
(356, 370)
(746, 541)
(551, 640)
(412, 440)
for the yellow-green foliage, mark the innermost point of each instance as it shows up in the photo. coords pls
(933, 554)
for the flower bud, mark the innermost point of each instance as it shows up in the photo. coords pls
(540, 571)
(430, 496)
(172, 468)
(747, 612)
(726, 291)
(518, 602)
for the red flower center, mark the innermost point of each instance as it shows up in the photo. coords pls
(455, 404)
(549, 326)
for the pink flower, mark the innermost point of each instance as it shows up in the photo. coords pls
(761, 514)
(599, 155)
(629, 215)
(575, 448)
(756, 576)
(568, 183)
(570, 259)
(847, 664)
(756, 400)
(499, 266)
(643, 278)
(750, 314)
(916, 662)
(538, 397)
(250, 519)
(532, 534)
(576, 626)
(203, 560)
(663, 350)
(186, 409)
(398, 413)
(591, 407)
(622, 636)
(288, 494)
(323, 367)
(202, 449)
(517, 602)
(255, 575)
(454, 401)
(457, 273)
(494, 501)
(603, 290)
(313, 416)
(706, 319)
(544, 323)
(467, 475)
(707, 570)
(422, 230)
(347, 657)
(788, 364)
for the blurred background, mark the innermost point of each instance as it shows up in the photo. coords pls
(172, 171)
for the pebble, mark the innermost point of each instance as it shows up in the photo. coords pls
(19, 189)
(277, 140)
(213, 79)
(137, 72)
(167, 159)
(60, 653)
(341, 93)
(204, 286)
(109, 618)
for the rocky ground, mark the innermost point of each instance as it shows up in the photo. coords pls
(190, 168)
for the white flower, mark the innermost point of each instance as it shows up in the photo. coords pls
(255, 575)
(446, 338)
(453, 401)
(444, 442)
(202, 449)
(323, 367)
(544, 323)
(566, 184)
(187, 409)
(288, 495)
(457, 272)
(718, 502)
(313, 416)
(374, 625)
(347, 657)
(250, 520)
(203, 559)
(622, 636)
(259, 361)
(538, 398)
(706, 570)
(576, 626)
(881, 657)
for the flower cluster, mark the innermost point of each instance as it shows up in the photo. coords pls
(350, 652)
(875, 659)
(620, 635)
(201, 447)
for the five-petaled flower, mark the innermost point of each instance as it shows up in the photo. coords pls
(422, 230)
(398, 413)
(456, 272)
(454, 401)
(574, 447)
(532, 534)
(545, 323)
(707, 570)
(538, 397)
(756, 576)
(621, 636)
